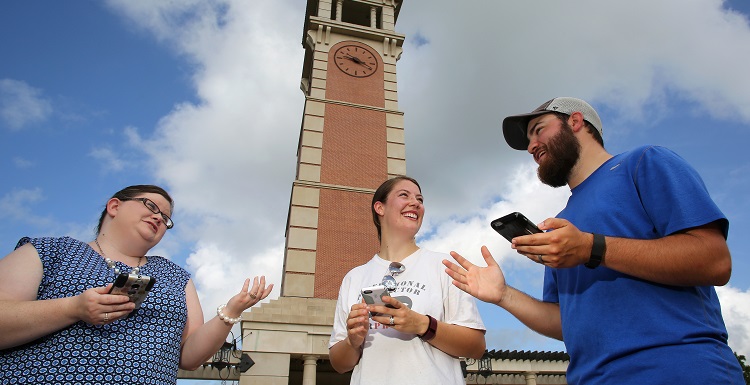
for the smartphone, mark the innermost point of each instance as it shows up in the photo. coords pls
(373, 296)
(514, 225)
(135, 286)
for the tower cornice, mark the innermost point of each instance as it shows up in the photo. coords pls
(354, 30)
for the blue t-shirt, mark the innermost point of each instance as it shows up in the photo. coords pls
(143, 348)
(619, 329)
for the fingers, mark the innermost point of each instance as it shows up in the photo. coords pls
(392, 301)
(553, 223)
(461, 261)
(254, 290)
(246, 286)
(267, 292)
(488, 257)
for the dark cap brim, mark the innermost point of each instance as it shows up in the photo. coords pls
(515, 127)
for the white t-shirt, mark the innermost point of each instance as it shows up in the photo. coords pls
(390, 356)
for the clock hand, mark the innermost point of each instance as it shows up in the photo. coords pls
(358, 61)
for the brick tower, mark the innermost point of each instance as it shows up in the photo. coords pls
(351, 140)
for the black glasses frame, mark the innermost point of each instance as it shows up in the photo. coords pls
(154, 208)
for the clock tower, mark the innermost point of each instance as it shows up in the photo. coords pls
(351, 140)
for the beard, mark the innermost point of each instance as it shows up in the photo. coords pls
(563, 152)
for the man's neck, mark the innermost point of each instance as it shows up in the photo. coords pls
(592, 157)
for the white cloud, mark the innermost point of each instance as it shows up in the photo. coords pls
(17, 207)
(22, 163)
(21, 104)
(108, 159)
(736, 313)
(229, 158)
(14, 205)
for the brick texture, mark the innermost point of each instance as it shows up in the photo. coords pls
(349, 238)
(354, 154)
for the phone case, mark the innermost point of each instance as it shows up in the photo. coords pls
(373, 294)
(135, 286)
(514, 225)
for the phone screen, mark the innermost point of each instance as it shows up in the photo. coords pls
(514, 225)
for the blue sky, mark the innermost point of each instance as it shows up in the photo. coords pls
(203, 98)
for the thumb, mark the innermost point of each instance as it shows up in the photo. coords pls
(103, 289)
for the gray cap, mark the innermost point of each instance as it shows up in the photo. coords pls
(514, 127)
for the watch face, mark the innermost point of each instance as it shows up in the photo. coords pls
(355, 61)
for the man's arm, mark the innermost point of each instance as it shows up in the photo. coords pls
(694, 257)
(697, 256)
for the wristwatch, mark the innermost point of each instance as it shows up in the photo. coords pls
(598, 249)
(431, 329)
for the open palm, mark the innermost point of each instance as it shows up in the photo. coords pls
(485, 283)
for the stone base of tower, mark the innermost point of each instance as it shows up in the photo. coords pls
(287, 339)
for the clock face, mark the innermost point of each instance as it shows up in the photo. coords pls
(356, 61)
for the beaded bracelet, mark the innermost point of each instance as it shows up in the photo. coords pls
(223, 317)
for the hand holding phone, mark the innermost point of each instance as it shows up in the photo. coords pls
(135, 286)
(373, 296)
(514, 225)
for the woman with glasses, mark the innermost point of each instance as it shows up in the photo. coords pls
(425, 322)
(59, 324)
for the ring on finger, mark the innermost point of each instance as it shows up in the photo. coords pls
(539, 257)
(106, 317)
(253, 296)
(391, 322)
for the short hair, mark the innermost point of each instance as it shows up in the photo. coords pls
(131, 192)
(589, 127)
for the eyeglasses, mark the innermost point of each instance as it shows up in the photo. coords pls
(394, 269)
(154, 209)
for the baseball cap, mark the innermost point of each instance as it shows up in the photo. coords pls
(514, 127)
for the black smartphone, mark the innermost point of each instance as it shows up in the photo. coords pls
(514, 225)
(135, 286)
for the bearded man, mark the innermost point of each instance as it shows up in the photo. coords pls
(630, 262)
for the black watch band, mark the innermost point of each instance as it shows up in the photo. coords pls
(431, 329)
(597, 252)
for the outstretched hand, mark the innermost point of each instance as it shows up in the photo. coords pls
(248, 296)
(485, 283)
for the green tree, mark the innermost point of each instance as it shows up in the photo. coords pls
(745, 368)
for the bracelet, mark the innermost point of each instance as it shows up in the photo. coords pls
(598, 249)
(431, 329)
(223, 317)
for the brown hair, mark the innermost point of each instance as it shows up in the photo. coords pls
(131, 192)
(381, 195)
(593, 131)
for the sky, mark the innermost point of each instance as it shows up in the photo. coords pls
(203, 98)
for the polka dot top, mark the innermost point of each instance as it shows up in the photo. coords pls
(143, 348)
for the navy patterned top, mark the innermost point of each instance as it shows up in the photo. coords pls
(143, 348)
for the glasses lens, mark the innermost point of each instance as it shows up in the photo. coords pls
(396, 268)
(389, 283)
(151, 205)
(156, 210)
(167, 221)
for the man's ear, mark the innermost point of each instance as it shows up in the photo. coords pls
(576, 121)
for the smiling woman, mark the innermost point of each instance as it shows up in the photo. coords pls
(422, 322)
(80, 326)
